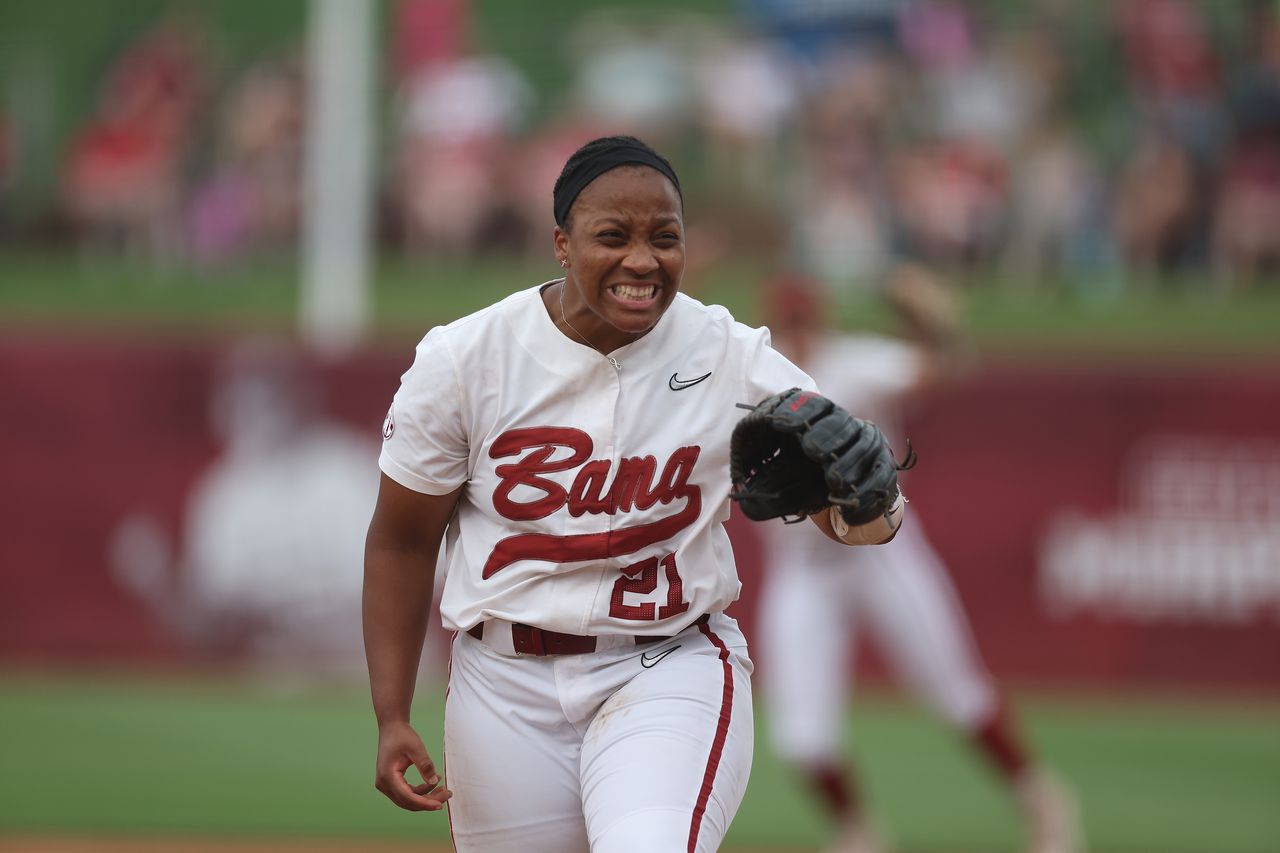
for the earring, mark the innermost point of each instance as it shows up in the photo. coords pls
(564, 263)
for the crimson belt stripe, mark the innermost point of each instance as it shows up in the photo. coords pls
(717, 745)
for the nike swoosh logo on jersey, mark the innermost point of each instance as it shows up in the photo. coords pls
(675, 383)
(650, 662)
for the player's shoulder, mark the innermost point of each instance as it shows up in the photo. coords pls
(475, 329)
(715, 320)
(713, 313)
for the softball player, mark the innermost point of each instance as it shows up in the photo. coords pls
(815, 597)
(569, 445)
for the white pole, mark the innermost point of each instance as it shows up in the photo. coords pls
(334, 309)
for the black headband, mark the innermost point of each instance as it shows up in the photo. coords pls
(593, 167)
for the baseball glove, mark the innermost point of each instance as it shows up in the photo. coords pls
(797, 453)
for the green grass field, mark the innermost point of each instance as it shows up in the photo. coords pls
(147, 757)
(61, 293)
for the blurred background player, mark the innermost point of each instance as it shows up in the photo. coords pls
(816, 598)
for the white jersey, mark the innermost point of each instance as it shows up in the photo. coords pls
(595, 487)
(867, 374)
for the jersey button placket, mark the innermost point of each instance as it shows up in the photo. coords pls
(609, 450)
(611, 447)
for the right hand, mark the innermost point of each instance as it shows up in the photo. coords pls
(400, 748)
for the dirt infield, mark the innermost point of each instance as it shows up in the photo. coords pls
(174, 844)
(41, 844)
(57, 844)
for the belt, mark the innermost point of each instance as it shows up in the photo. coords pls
(528, 640)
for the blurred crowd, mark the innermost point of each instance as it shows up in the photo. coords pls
(835, 137)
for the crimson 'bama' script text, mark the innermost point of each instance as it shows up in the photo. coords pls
(636, 484)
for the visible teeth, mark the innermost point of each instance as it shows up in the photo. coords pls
(632, 291)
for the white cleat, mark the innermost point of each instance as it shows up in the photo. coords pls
(1050, 813)
(856, 836)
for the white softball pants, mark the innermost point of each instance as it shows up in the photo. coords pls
(622, 750)
(813, 600)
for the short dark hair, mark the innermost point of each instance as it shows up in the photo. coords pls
(607, 148)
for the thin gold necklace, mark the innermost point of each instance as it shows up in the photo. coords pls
(564, 316)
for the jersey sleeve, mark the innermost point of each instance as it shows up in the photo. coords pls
(769, 371)
(424, 441)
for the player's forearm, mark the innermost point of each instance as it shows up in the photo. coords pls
(880, 531)
(397, 604)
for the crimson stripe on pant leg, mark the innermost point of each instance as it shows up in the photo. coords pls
(717, 745)
(448, 683)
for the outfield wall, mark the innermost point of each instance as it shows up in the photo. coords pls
(1104, 526)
